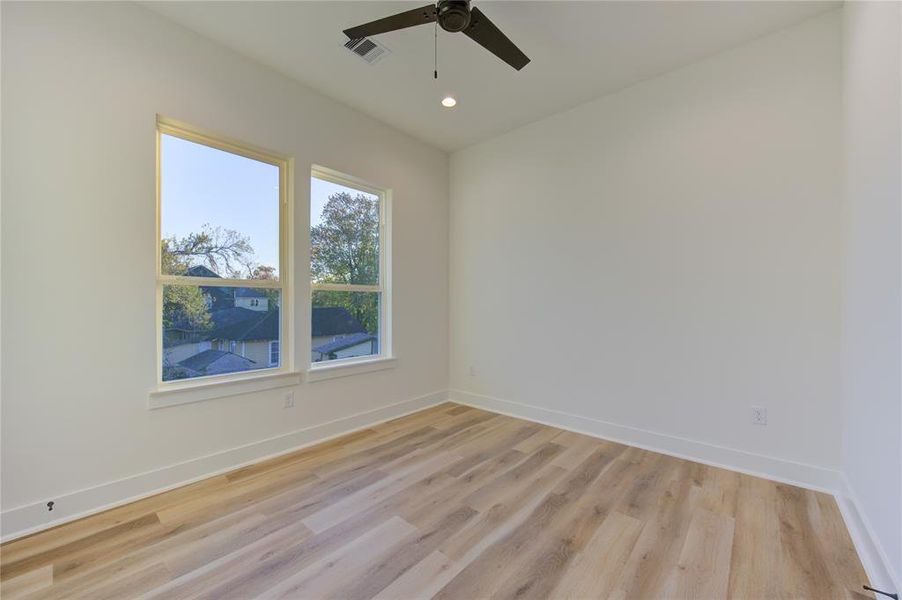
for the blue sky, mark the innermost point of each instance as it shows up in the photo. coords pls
(202, 185)
(319, 194)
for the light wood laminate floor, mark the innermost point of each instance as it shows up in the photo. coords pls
(453, 502)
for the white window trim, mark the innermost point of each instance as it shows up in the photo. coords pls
(169, 393)
(386, 358)
(350, 366)
(187, 392)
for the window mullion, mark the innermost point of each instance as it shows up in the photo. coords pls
(273, 284)
(345, 287)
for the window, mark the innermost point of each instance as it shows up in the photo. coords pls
(222, 249)
(348, 267)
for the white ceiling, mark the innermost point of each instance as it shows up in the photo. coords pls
(579, 51)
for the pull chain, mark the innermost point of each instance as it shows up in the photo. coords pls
(435, 52)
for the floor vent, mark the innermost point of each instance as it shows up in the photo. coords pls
(370, 51)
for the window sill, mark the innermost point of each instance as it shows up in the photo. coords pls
(196, 391)
(350, 367)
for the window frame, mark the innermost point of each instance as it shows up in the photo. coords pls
(278, 345)
(386, 356)
(277, 376)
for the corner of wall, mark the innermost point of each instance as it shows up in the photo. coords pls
(874, 558)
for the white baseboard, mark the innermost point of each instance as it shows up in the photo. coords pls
(834, 482)
(873, 557)
(759, 465)
(29, 518)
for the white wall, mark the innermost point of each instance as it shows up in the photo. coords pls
(872, 277)
(665, 257)
(81, 85)
(648, 265)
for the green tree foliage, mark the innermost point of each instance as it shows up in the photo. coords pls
(345, 245)
(185, 305)
(345, 249)
(182, 304)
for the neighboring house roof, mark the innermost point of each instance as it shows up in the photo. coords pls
(334, 320)
(221, 318)
(245, 325)
(201, 271)
(224, 317)
(261, 326)
(219, 295)
(345, 342)
(216, 361)
(235, 323)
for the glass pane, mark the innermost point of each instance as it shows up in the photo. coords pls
(344, 325)
(211, 330)
(219, 212)
(344, 234)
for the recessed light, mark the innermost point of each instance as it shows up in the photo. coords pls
(449, 102)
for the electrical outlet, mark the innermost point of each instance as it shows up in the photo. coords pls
(289, 400)
(759, 415)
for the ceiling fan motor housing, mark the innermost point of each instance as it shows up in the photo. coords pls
(453, 15)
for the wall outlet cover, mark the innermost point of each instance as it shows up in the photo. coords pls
(759, 415)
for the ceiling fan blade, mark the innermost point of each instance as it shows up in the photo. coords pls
(482, 31)
(410, 18)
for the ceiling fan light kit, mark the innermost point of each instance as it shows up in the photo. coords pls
(453, 16)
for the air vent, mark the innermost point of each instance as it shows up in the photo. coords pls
(367, 49)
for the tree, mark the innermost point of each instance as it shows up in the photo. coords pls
(264, 272)
(345, 249)
(186, 306)
(224, 251)
(345, 245)
(267, 273)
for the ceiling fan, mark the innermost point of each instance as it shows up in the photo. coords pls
(452, 16)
